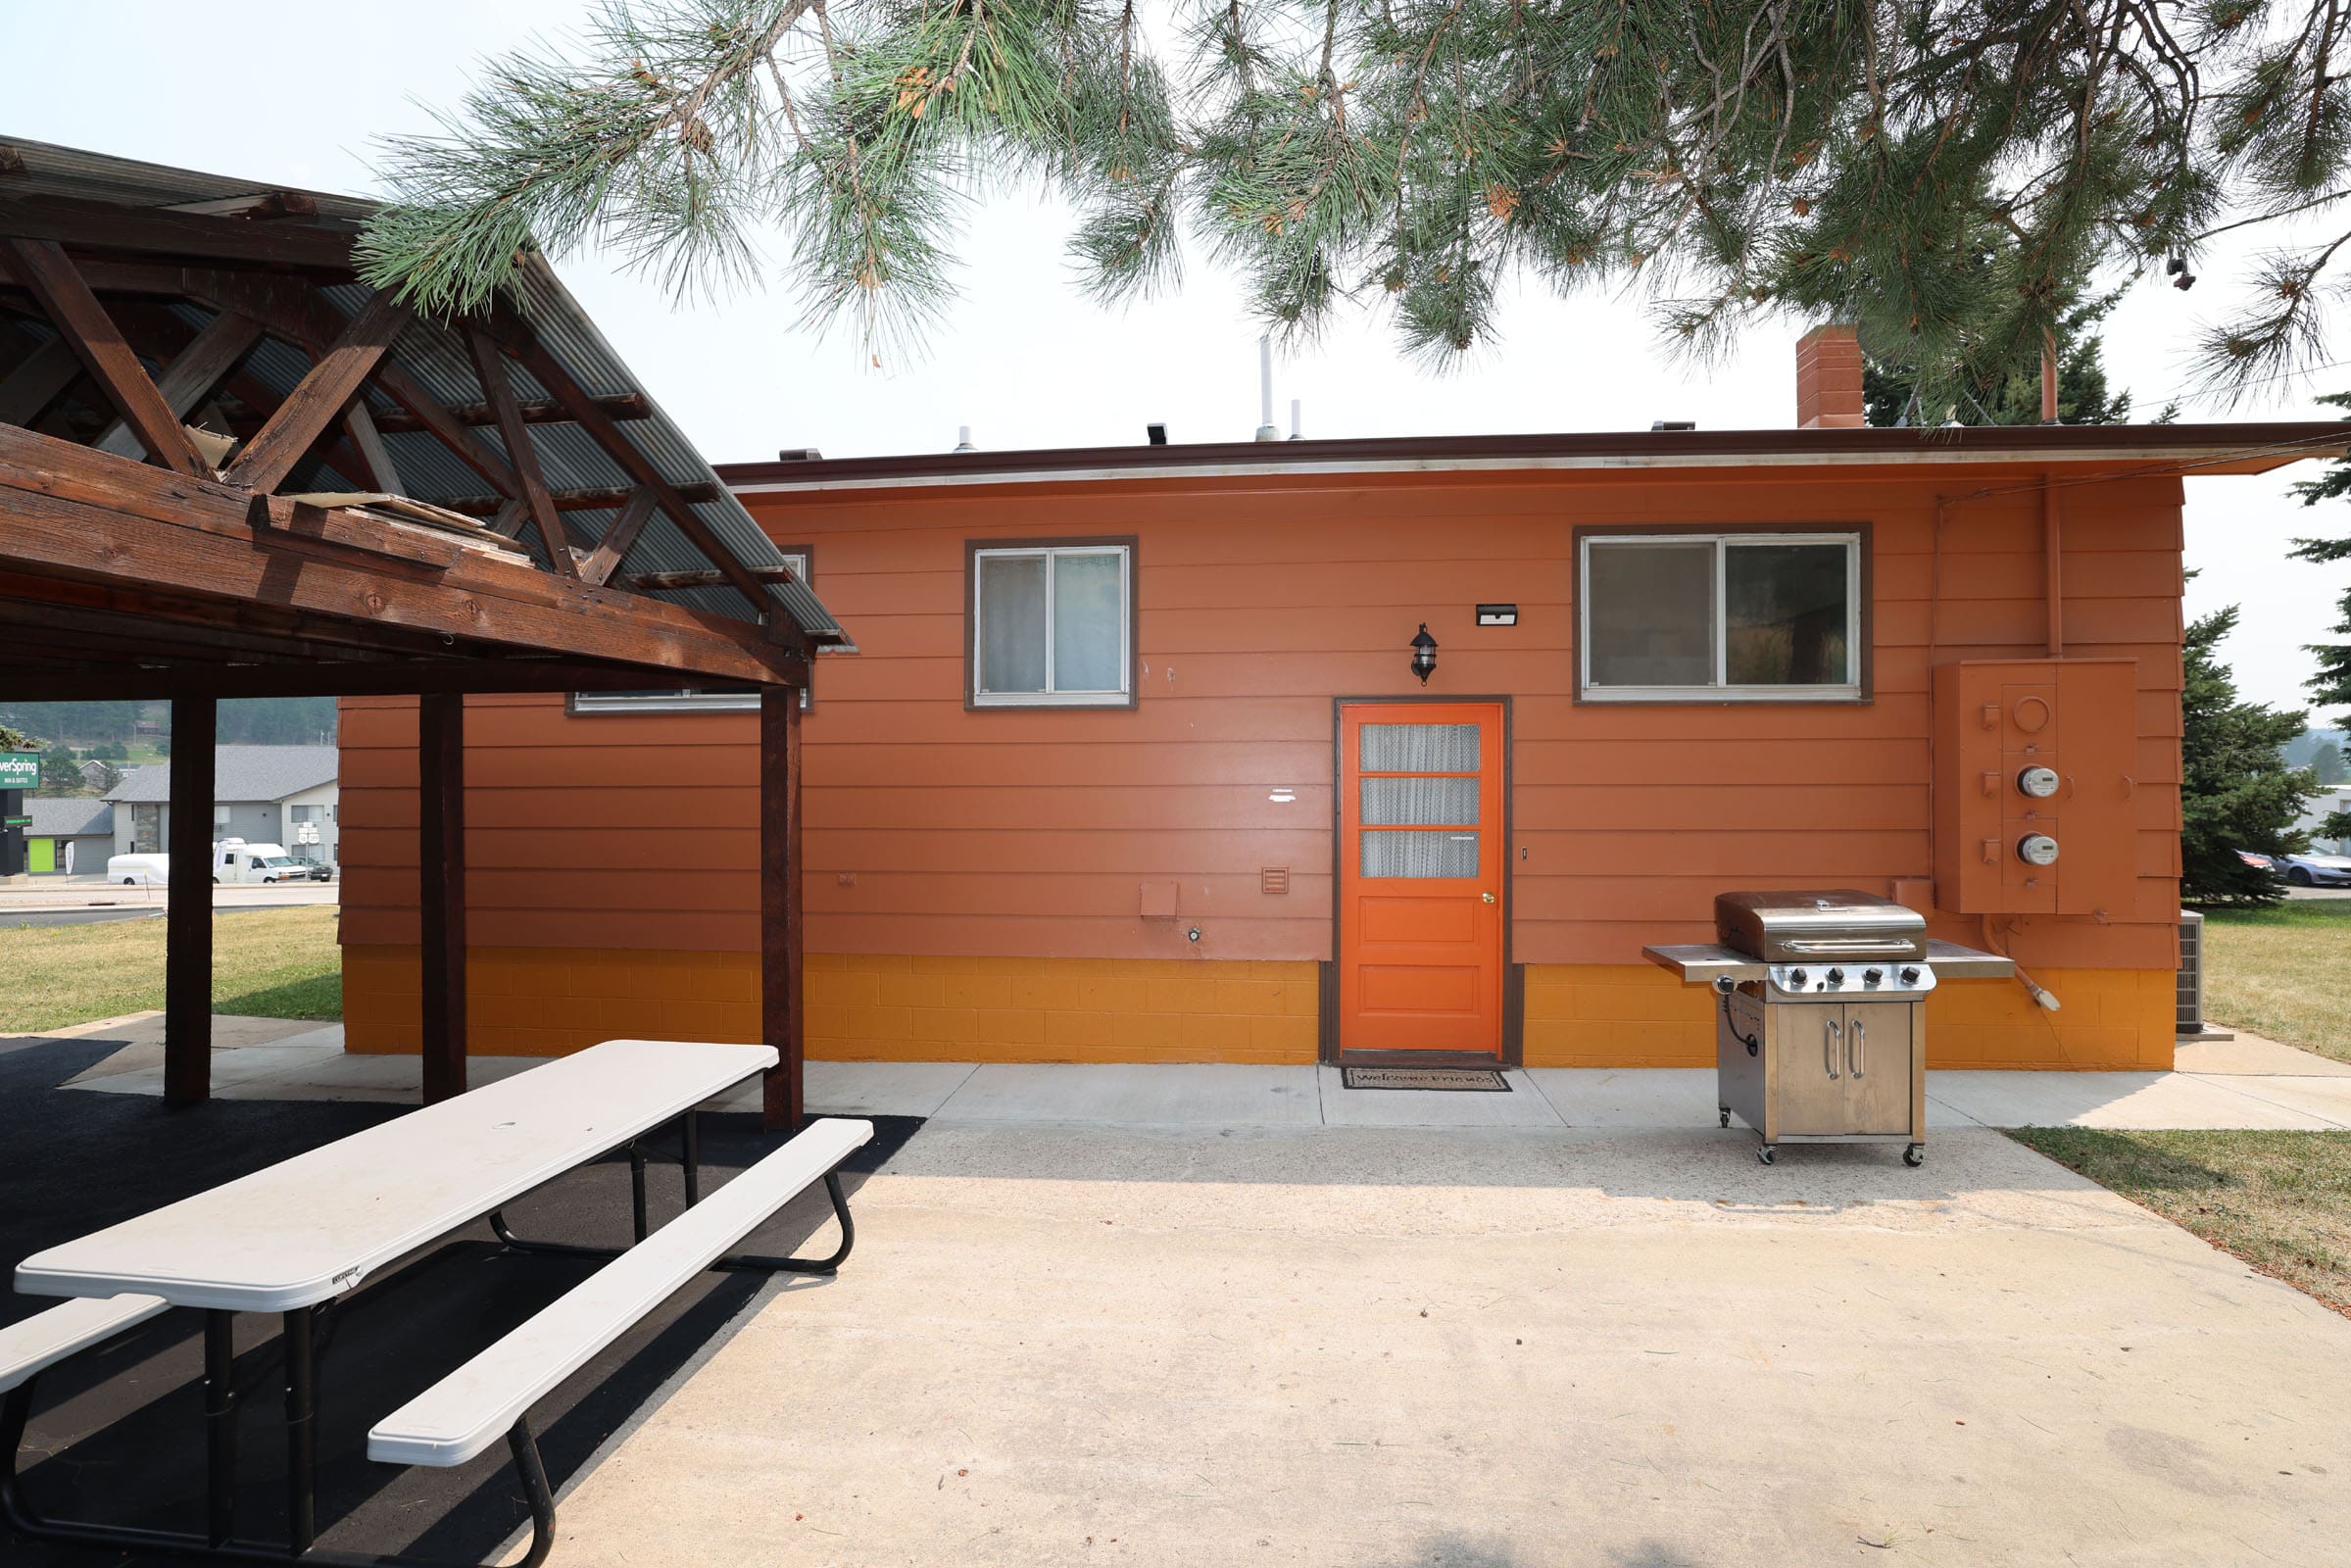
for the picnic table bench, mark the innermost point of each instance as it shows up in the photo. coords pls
(293, 1238)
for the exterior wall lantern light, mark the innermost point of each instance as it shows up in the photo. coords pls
(1424, 655)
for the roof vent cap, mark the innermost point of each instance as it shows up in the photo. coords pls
(1673, 425)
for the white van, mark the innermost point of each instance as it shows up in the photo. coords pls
(139, 870)
(233, 861)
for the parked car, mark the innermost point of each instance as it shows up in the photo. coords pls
(2316, 871)
(233, 861)
(320, 873)
(2258, 861)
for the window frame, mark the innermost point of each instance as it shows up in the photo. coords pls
(1854, 536)
(685, 700)
(1128, 696)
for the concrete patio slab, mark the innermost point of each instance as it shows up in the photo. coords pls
(867, 1088)
(1182, 1095)
(2326, 1099)
(1628, 1096)
(2111, 1099)
(1493, 1350)
(1522, 1107)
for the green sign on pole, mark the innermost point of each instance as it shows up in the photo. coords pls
(20, 771)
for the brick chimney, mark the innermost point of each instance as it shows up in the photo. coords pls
(1828, 379)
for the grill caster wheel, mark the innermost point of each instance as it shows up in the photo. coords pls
(1726, 1118)
(1915, 1154)
(1766, 1153)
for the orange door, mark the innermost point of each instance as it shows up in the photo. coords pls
(1420, 877)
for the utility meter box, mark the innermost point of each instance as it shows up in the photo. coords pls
(2034, 764)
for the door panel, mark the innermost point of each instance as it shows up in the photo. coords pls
(1421, 862)
(1811, 1052)
(1879, 1062)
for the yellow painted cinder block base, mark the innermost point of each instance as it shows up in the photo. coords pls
(536, 1001)
(530, 1001)
(1638, 1015)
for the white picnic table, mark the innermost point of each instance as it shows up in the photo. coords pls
(311, 1228)
(299, 1233)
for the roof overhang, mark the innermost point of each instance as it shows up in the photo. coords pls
(2154, 449)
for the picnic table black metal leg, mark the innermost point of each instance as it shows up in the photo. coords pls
(758, 1263)
(692, 1139)
(302, 1436)
(220, 1425)
(636, 1188)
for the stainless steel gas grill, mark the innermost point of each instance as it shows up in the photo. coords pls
(1820, 1026)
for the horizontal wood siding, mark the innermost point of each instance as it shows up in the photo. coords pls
(933, 830)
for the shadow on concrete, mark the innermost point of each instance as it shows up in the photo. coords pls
(1451, 1549)
(117, 1434)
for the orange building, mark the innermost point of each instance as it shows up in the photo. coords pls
(1132, 761)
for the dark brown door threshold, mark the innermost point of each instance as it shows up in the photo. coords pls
(1419, 1058)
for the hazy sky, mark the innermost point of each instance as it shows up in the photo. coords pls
(1024, 360)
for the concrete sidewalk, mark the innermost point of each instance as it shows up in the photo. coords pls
(2248, 1082)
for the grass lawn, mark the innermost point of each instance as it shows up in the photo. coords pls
(269, 963)
(2281, 1201)
(2284, 973)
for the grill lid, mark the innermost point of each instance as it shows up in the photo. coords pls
(1802, 926)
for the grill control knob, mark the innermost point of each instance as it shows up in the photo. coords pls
(1837, 977)
(1870, 977)
(1910, 975)
(1796, 979)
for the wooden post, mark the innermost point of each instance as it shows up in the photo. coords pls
(780, 1019)
(441, 888)
(188, 905)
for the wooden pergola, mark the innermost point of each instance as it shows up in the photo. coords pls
(230, 469)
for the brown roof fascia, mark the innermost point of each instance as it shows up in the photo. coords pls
(2235, 448)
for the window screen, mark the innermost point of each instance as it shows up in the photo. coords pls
(1052, 624)
(1742, 615)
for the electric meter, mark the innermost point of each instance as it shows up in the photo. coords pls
(2036, 849)
(2038, 782)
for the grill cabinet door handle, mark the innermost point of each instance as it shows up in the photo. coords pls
(1830, 1030)
(1857, 1047)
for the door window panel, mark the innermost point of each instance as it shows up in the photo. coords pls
(1420, 802)
(1419, 854)
(1418, 748)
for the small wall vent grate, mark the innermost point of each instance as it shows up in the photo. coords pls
(1274, 880)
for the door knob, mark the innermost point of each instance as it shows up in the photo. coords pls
(1488, 897)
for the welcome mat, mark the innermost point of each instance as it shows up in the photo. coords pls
(1456, 1080)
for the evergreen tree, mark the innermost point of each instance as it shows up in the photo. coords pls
(1940, 171)
(2327, 766)
(2237, 791)
(2332, 684)
(2013, 397)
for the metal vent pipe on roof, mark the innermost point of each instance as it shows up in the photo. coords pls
(964, 439)
(1293, 418)
(1265, 426)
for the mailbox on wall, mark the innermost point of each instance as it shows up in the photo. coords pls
(2034, 810)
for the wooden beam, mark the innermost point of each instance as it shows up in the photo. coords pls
(783, 1097)
(489, 364)
(321, 396)
(106, 225)
(192, 374)
(603, 499)
(188, 905)
(614, 547)
(290, 308)
(79, 317)
(649, 581)
(535, 410)
(441, 888)
(102, 521)
(366, 440)
(38, 381)
(560, 385)
(80, 681)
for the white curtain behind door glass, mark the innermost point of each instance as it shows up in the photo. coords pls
(1013, 623)
(1089, 622)
(1420, 802)
(1419, 854)
(1418, 748)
